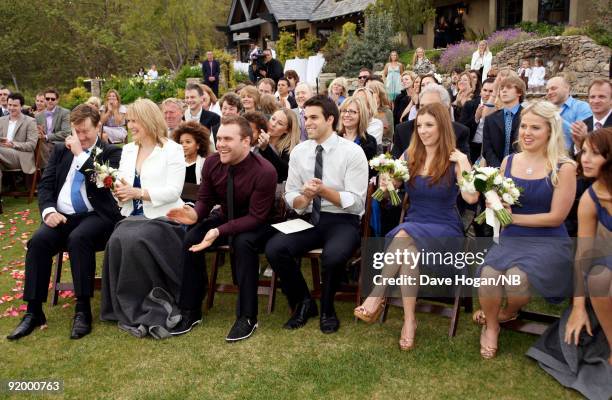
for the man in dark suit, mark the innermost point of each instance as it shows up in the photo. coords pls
(403, 132)
(211, 70)
(195, 111)
(500, 131)
(474, 113)
(600, 101)
(4, 93)
(77, 216)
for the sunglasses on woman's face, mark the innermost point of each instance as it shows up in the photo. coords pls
(363, 77)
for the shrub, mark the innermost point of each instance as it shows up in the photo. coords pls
(573, 31)
(285, 46)
(372, 47)
(187, 71)
(307, 46)
(499, 40)
(541, 29)
(76, 96)
(457, 55)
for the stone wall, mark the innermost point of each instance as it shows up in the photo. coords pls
(578, 58)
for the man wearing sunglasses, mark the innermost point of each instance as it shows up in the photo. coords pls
(364, 75)
(53, 124)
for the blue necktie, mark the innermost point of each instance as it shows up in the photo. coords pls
(508, 122)
(75, 193)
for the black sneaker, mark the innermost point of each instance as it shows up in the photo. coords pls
(189, 319)
(242, 329)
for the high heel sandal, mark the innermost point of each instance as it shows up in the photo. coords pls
(480, 318)
(486, 352)
(407, 344)
(361, 313)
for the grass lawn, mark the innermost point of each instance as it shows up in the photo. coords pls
(359, 362)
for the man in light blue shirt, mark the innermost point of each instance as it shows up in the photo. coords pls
(572, 110)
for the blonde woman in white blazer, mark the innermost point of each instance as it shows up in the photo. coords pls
(482, 59)
(140, 278)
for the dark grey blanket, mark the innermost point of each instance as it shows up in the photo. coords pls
(142, 276)
(584, 367)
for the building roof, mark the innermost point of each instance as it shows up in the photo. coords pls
(301, 10)
(292, 10)
(336, 8)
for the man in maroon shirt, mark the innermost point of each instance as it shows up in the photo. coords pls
(244, 185)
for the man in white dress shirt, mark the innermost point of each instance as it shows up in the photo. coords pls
(327, 185)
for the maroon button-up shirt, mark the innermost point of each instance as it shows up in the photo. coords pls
(254, 189)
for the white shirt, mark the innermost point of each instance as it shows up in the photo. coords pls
(152, 74)
(10, 134)
(345, 169)
(189, 117)
(64, 200)
(595, 121)
(376, 129)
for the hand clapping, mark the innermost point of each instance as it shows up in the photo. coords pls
(263, 140)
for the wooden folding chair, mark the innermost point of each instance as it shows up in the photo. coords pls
(451, 306)
(348, 291)
(30, 180)
(57, 285)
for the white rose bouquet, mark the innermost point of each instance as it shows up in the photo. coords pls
(495, 188)
(389, 169)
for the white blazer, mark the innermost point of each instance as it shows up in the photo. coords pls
(485, 62)
(162, 174)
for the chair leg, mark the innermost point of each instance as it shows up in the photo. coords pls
(33, 186)
(212, 282)
(316, 276)
(454, 321)
(272, 293)
(57, 276)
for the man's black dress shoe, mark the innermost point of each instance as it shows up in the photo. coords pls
(28, 323)
(303, 311)
(189, 319)
(329, 323)
(81, 325)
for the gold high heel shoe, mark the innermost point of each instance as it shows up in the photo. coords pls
(486, 352)
(361, 313)
(407, 344)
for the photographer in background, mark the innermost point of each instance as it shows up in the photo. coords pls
(272, 68)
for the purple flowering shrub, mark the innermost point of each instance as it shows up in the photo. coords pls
(459, 54)
(507, 37)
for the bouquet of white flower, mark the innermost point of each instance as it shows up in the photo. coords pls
(389, 169)
(495, 187)
(104, 175)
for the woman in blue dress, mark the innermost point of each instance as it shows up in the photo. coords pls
(576, 349)
(432, 220)
(536, 246)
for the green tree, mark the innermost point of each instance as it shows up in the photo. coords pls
(174, 31)
(373, 46)
(408, 15)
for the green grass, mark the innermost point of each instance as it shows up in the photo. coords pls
(359, 362)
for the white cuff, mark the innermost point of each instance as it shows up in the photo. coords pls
(347, 199)
(47, 211)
